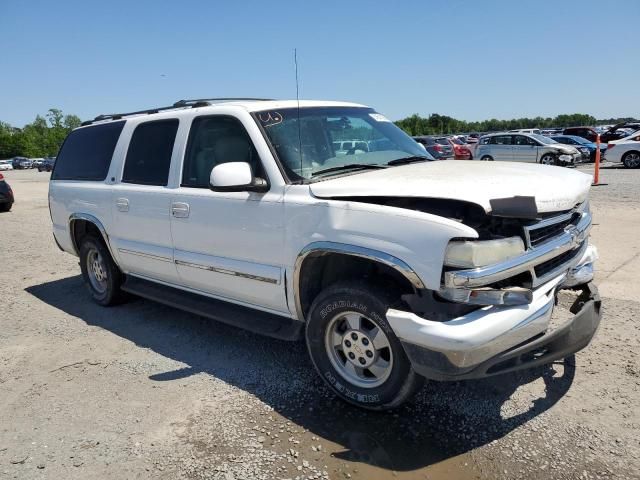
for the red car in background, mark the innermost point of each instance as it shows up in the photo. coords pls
(461, 151)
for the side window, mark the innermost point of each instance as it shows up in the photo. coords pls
(214, 140)
(501, 140)
(86, 153)
(149, 155)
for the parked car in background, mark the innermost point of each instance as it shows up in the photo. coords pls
(461, 151)
(581, 144)
(47, 164)
(625, 151)
(37, 162)
(20, 163)
(526, 130)
(438, 147)
(621, 130)
(6, 165)
(473, 137)
(526, 147)
(6, 195)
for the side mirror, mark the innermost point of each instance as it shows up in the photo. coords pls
(235, 177)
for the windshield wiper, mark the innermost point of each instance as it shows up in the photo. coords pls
(350, 166)
(405, 160)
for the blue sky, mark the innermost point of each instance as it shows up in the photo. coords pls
(469, 59)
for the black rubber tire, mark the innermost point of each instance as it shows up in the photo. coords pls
(5, 207)
(403, 381)
(112, 295)
(487, 158)
(624, 159)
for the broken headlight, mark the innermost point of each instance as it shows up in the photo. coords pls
(478, 253)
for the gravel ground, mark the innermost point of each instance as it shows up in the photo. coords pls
(146, 391)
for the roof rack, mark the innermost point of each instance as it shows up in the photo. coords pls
(193, 103)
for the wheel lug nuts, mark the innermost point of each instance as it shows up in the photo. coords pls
(354, 336)
(365, 342)
(362, 360)
(351, 355)
(369, 353)
(347, 343)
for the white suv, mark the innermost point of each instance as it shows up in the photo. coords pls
(392, 267)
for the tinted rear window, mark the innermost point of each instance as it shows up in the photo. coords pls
(86, 153)
(149, 155)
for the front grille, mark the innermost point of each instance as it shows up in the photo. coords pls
(550, 265)
(538, 236)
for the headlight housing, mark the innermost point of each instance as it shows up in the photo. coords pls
(479, 253)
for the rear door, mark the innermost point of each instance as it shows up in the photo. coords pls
(142, 203)
(501, 148)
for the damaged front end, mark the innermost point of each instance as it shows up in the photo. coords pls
(494, 310)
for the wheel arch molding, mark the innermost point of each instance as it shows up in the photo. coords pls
(317, 250)
(74, 220)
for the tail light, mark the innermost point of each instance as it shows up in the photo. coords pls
(610, 146)
(437, 147)
(1, 177)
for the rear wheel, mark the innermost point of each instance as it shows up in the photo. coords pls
(631, 159)
(355, 350)
(5, 207)
(101, 275)
(487, 158)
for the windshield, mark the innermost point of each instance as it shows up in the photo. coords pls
(580, 140)
(543, 139)
(334, 137)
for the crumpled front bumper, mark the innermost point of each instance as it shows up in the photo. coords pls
(499, 339)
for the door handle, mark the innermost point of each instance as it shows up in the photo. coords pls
(180, 209)
(122, 204)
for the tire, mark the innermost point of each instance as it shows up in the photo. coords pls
(487, 158)
(631, 159)
(349, 319)
(100, 273)
(5, 207)
(548, 159)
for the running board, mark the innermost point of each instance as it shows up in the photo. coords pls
(256, 321)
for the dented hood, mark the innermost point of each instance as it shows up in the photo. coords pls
(554, 188)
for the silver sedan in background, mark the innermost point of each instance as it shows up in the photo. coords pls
(526, 147)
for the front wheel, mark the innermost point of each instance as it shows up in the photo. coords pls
(631, 160)
(548, 159)
(487, 158)
(5, 207)
(355, 350)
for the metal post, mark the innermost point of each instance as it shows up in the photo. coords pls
(596, 173)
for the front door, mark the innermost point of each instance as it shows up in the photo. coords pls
(142, 203)
(227, 244)
(524, 149)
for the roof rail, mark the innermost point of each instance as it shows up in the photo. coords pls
(193, 103)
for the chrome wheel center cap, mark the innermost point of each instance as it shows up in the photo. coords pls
(358, 348)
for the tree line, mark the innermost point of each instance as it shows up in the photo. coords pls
(436, 124)
(40, 138)
(43, 136)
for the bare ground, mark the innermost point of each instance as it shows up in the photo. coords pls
(146, 391)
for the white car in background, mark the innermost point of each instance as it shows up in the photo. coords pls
(625, 151)
(5, 165)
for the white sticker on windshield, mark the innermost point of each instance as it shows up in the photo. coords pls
(378, 117)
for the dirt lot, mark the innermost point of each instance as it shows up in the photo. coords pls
(146, 391)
